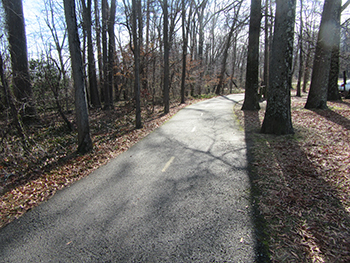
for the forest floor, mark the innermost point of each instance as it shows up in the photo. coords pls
(301, 182)
(29, 177)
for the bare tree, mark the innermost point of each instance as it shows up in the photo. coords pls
(136, 9)
(19, 58)
(81, 109)
(87, 21)
(166, 56)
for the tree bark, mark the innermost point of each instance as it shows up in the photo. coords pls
(107, 105)
(333, 90)
(317, 98)
(19, 58)
(81, 109)
(166, 57)
(251, 100)
(301, 54)
(184, 50)
(278, 113)
(111, 53)
(135, 36)
(94, 95)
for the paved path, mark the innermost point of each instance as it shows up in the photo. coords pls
(179, 195)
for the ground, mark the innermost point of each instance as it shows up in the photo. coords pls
(302, 182)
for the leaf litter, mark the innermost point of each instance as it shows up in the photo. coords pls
(304, 182)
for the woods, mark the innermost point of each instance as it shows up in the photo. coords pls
(80, 74)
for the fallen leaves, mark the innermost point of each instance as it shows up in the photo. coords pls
(304, 183)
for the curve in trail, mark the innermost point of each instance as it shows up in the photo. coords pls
(179, 195)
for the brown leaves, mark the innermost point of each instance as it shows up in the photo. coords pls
(304, 182)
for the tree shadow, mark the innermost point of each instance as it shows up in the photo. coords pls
(334, 117)
(305, 219)
(252, 125)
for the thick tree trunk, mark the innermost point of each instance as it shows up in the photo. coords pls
(333, 91)
(266, 50)
(278, 113)
(81, 109)
(317, 98)
(251, 99)
(19, 59)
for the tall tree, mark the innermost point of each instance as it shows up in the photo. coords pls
(81, 109)
(301, 51)
(111, 53)
(94, 95)
(278, 113)
(19, 58)
(166, 57)
(136, 8)
(266, 49)
(333, 91)
(317, 97)
(251, 100)
(185, 28)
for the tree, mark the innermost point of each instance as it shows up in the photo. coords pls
(19, 58)
(278, 113)
(185, 29)
(94, 95)
(227, 46)
(81, 109)
(333, 91)
(301, 51)
(136, 9)
(317, 98)
(166, 57)
(251, 100)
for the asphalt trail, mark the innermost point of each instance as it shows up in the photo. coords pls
(182, 194)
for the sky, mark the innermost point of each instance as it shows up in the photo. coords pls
(34, 16)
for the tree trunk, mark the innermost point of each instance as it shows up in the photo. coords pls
(278, 113)
(301, 55)
(111, 54)
(266, 50)
(333, 90)
(166, 57)
(251, 100)
(94, 95)
(136, 5)
(317, 98)
(81, 109)
(184, 51)
(98, 46)
(19, 58)
(105, 55)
